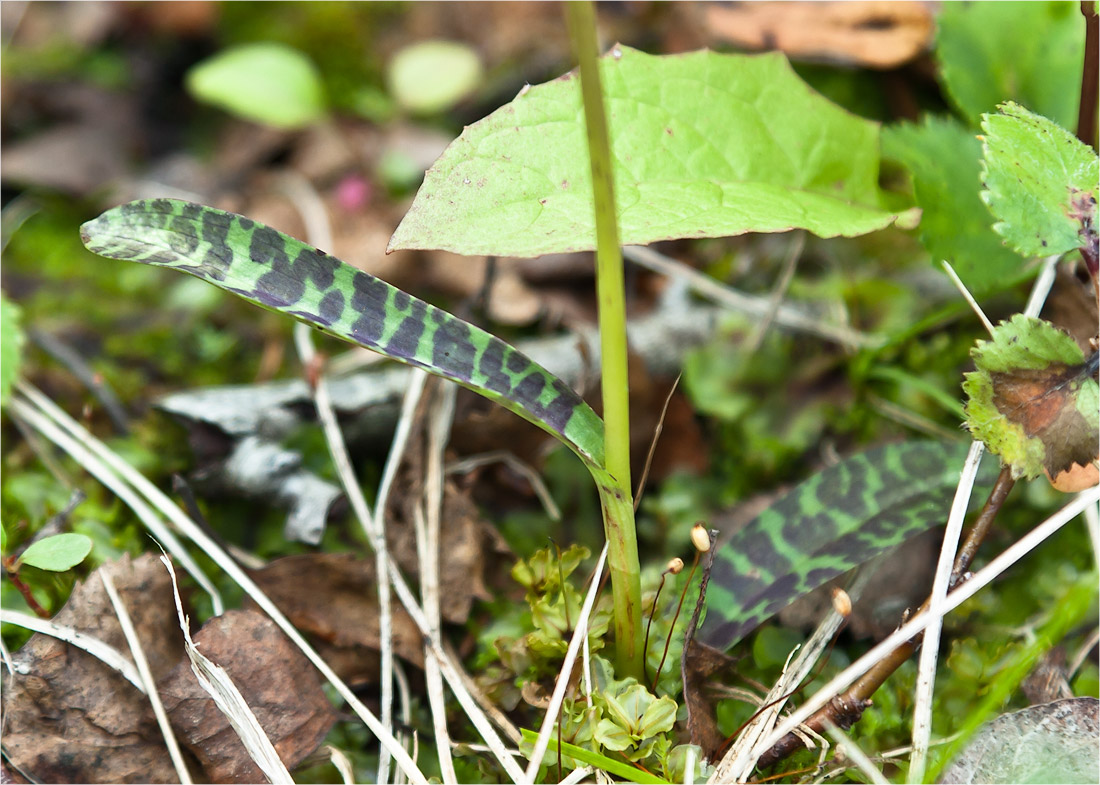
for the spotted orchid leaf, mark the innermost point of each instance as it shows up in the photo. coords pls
(282, 274)
(836, 520)
(1034, 398)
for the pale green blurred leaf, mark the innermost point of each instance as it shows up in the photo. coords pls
(943, 158)
(432, 76)
(266, 83)
(11, 343)
(1027, 52)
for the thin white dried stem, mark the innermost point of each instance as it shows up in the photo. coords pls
(775, 299)
(576, 775)
(303, 341)
(1092, 524)
(220, 687)
(116, 474)
(926, 669)
(1041, 288)
(319, 232)
(689, 766)
(5, 655)
(542, 493)
(1082, 654)
(450, 672)
(499, 718)
(404, 703)
(955, 279)
(142, 663)
(104, 652)
(75, 447)
(740, 759)
(918, 623)
(342, 763)
(857, 755)
(785, 315)
(580, 632)
(427, 546)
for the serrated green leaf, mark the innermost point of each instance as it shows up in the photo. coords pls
(430, 76)
(1040, 183)
(838, 519)
(943, 158)
(11, 345)
(1027, 52)
(1033, 399)
(705, 145)
(267, 83)
(57, 553)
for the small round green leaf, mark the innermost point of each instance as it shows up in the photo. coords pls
(1040, 183)
(11, 342)
(57, 553)
(267, 83)
(432, 76)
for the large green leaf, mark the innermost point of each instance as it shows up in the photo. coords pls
(944, 160)
(1040, 182)
(1028, 52)
(704, 145)
(277, 272)
(831, 523)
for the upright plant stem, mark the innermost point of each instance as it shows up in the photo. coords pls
(615, 493)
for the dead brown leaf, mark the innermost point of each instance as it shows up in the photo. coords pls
(869, 33)
(333, 597)
(279, 684)
(70, 718)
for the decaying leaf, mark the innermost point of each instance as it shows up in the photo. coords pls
(1052, 742)
(1033, 398)
(278, 683)
(70, 718)
(333, 597)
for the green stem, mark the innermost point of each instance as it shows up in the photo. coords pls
(615, 491)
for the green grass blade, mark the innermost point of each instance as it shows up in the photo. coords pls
(277, 272)
(611, 766)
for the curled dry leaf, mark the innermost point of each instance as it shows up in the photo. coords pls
(70, 718)
(276, 680)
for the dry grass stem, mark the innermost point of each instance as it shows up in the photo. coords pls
(926, 669)
(785, 315)
(516, 465)
(146, 674)
(775, 299)
(427, 523)
(75, 447)
(955, 279)
(218, 684)
(104, 652)
(117, 475)
(857, 755)
(343, 765)
(580, 632)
